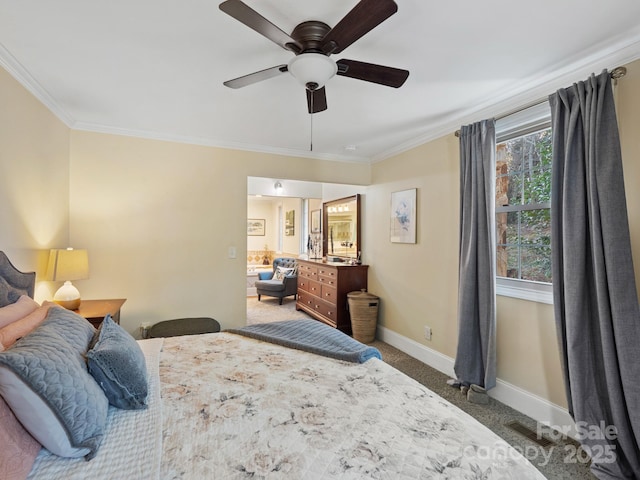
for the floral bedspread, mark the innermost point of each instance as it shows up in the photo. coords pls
(236, 408)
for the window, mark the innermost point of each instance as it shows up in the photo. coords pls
(523, 195)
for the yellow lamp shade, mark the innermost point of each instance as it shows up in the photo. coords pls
(67, 265)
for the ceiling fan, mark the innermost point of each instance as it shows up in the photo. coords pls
(313, 42)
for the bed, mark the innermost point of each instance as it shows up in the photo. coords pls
(229, 406)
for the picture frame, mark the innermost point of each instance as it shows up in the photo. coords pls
(316, 221)
(256, 227)
(290, 223)
(403, 216)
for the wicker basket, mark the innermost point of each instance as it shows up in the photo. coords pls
(363, 309)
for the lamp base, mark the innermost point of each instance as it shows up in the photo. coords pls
(67, 296)
(69, 304)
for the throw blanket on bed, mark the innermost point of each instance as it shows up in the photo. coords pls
(311, 336)
(140, 431)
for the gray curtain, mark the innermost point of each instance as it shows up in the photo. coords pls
(595, 300)
(476, 355)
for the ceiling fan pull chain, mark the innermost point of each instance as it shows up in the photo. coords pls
(311, 123)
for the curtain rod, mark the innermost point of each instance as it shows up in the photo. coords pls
(615, 74)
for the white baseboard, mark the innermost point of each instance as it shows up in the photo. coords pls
(418, 351)
(534, 406)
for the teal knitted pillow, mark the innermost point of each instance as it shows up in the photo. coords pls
(117, 363)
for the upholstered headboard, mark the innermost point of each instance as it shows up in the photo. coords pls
(13, 282)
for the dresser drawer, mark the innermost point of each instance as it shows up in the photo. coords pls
(305, 299)
(330, 280)
(327, 310)
(303, 283)
(329, 294)
(307, 271)
(314, 288)
(328, 272)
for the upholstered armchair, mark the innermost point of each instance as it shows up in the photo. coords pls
(268, 283)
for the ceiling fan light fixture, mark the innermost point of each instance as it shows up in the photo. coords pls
(312, 70)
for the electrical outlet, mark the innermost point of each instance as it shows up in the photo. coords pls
(427, 332)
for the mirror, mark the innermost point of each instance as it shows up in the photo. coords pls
(341, 227)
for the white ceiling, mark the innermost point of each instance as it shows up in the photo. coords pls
(155, 68)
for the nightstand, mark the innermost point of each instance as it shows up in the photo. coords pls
(95, 310)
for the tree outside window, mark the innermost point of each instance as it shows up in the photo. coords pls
(523, 195)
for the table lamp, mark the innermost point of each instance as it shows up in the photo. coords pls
(67, 265)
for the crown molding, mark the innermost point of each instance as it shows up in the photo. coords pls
(206, 142)
(617, 52)
(17, 71)
(21, 74)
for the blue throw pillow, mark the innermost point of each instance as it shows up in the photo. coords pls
(117, 363)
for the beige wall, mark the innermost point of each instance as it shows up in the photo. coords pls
(291, 243)
(267, 209)
(34, 180)
(418, 283)
(628, 108)
(158, 219)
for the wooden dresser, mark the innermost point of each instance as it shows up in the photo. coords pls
(323, 289)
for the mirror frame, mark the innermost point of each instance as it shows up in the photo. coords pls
(325, 226)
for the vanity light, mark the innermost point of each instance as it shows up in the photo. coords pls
(278, 187)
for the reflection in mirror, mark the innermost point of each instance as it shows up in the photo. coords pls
(341, 227)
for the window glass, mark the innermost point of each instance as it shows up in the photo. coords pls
(523, 194)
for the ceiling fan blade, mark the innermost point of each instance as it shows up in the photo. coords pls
(316, 100)
(365, 16)
(255, 77)
(370, 72)
(252, 19)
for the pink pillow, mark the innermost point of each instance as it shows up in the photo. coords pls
(15, 311)
(19, 449)
(18, 329)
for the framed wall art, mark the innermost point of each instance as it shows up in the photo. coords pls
(315, 221)
(403, 216)
(290, 223)
(255, 227)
